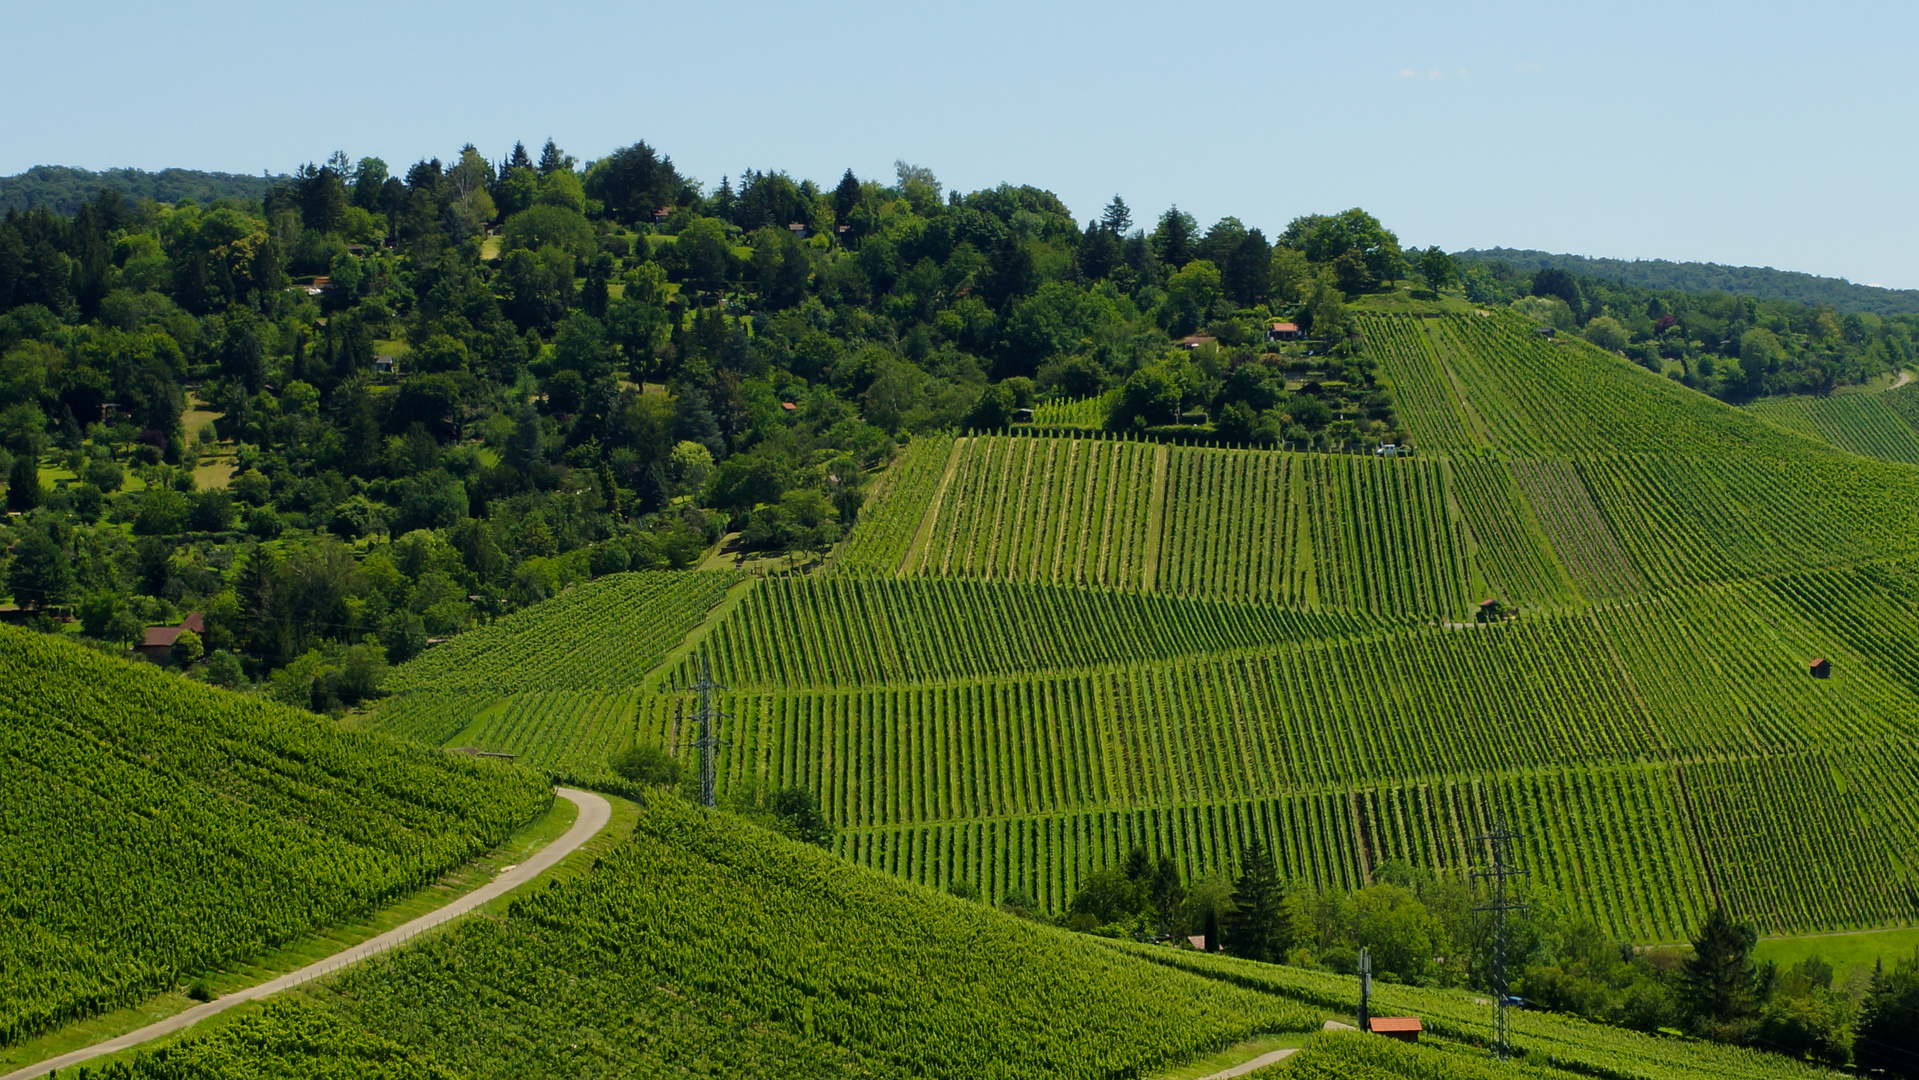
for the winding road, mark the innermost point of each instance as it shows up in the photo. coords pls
(595, 812)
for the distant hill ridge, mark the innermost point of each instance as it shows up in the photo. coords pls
(1761, 281)
(62, 188)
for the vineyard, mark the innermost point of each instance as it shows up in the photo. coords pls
(156, 828)
(694, 947)
(1883, 426)
(1551, 1045)
(700, 940)
(1036, 652)
(605, 633)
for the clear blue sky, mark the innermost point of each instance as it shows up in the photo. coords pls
(1753, 133)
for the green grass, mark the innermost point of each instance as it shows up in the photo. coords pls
(1846, 952)
(1413, 300)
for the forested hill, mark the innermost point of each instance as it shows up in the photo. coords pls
(62, 188)
(1762, 282)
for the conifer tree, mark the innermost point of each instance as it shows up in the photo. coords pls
(1256, 929)
(1721, 986)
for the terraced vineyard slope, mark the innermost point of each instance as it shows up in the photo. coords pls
(156, 828)
(1081, 644)
(694, 948)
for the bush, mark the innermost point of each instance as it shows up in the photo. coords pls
(646, 764)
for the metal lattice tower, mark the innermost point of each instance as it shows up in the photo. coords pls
(1500, 904)
(707, 743)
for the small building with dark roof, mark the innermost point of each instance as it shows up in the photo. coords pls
(157, 643)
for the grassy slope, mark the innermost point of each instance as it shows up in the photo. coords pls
(158, 828)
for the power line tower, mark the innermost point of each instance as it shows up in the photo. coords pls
(1501, 869)
(707, 743)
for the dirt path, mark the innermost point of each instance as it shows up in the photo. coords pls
(1905, 376)
(595, 812)
(1254, 1065)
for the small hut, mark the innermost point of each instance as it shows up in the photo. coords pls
(1403, 1028)
(1821, 668)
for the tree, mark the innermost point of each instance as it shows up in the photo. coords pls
(1175, 240)
(1438, 268)
(799, 814)
(1887, 1036)
(41, 575)
(1256, 928)
(187, 649)
(223, 669)
(845, 198)
(23, 484)
(552, 160)
(1116, 218)
(1721, 986)
(646, 763)
(1608, 333)
(1168, 895)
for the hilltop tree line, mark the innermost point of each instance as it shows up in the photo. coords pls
(1736, 348)
(1761, 282)
(1426, 929)
(374, 406)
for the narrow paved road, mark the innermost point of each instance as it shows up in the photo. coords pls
(1254, 1065)
(595, 812)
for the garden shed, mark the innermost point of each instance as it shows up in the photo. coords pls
(1821, 668)
(1403, 1028)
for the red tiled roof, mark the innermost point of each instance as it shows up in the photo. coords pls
(1383, 1024)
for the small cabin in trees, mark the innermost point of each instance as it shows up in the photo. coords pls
(1283, 331)
(1546, 331)
(157, 643)
(383, 364)
(1821, 668)
(1403, 1028)
(661, 214)
(1490, 610)
(798, 228)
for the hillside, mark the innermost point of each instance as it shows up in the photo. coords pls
(706, 947)
(1038, 652)
(1763, 282)
(1883, 426)
(157, 828)
(62, 189)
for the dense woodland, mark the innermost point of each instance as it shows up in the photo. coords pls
(371, 409)
(1735, 348)
(1762, 282)
(62, 188)
(427, 398)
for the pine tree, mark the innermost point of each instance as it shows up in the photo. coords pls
(552, 160)
(23, 484)
(1117, 219)
(1886, 1038)
(1168, 894)
(1256, 929)
(1175, 241)
(845, 198)
(609, 491)
(1721, 986)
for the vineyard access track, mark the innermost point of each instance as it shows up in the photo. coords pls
(595, 812)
